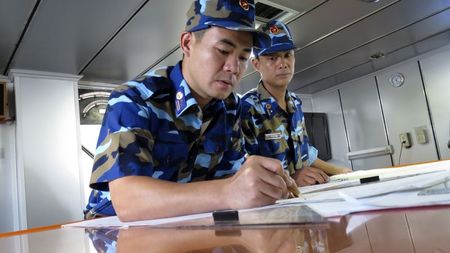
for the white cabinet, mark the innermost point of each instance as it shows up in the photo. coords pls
(364, 122)
(405, 110)
(436, 76)
(47, 144)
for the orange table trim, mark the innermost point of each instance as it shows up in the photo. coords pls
(31, 230)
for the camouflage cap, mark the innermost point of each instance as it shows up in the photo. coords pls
(280, 35)
(237, 15)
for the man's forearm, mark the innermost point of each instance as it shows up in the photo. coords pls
(328, 168)
(140, 198)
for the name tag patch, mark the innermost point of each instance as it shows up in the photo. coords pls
(273, 136)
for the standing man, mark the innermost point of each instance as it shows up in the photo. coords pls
(272, 118)
(170, 142)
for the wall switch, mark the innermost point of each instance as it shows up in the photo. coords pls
(405, 140)
(421, 134)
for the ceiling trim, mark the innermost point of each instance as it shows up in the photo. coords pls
(42, 74)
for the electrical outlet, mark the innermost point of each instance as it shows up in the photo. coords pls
(421, 134)
(405, 140)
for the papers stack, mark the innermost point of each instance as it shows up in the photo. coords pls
(409, 186)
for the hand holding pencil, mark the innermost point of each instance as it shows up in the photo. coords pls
(260, 181)
(291, 185)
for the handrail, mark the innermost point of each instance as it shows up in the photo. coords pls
(370, 152)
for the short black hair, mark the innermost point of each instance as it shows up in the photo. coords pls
(199, 34)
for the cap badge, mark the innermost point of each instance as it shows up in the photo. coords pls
(244, 4)
(274, 29)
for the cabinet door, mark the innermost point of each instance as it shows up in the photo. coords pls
(47, 150)
(405, 110)
(330, 104)
(436, 77)
(364, 122)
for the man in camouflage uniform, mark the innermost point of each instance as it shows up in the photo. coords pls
(167, 135)
(272, 118)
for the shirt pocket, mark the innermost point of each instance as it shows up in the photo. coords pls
(214, 147)
(169, 152)
(270, 144)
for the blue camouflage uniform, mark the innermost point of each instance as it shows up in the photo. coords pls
(154, 127)
(268, 129)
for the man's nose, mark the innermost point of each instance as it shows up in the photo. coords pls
(282, 63)
(232, 65)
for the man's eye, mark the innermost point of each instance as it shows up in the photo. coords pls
(242, 58)
(224, 52)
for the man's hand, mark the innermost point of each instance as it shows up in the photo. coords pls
(259, 182)
(309, 176)
(342, 170)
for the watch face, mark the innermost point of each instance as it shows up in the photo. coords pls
(397, 80)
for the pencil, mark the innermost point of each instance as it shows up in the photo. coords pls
(292, 188)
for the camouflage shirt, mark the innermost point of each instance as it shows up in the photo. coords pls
(270, 131)
(154, 127)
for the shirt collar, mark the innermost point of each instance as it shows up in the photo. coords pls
(184, 98)
(183, 95)
(265, 95)
(290, 105)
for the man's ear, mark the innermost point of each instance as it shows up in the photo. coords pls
(255, 63)
(187, 40)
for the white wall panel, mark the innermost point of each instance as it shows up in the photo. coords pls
(307, 105)
(47, 148)
(405, 109)
(329, 103)
(8, 183)
(9, 218)
(436, 75)
(364, 121)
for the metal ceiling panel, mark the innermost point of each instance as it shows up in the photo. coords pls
(400, 15)
(331, 17)
(402, 54)
(64, 35)
(299, 6)
(388, 44)
(13, 17)
(142, 43)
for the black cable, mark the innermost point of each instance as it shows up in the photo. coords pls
(401, 150)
